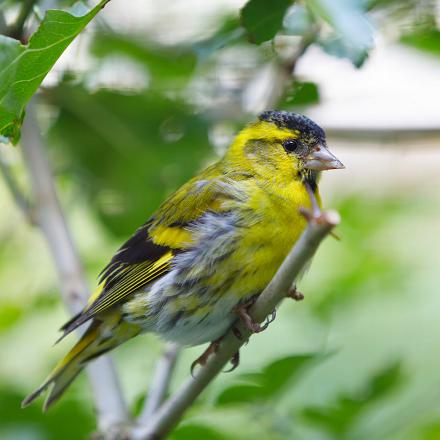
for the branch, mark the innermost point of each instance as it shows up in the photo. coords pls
(160, 383)
(17, 29)
(319, 226)
(17, 194)
(109, 403)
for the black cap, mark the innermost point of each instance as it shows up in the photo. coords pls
(294, 121)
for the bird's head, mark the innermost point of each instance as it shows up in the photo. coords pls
(284, 145)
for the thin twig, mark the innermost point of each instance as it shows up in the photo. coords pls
(171, 412)
(160, 383)
(109, 403)
(17, 29)
(17, 194)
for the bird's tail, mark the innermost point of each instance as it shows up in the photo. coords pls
(99, 338)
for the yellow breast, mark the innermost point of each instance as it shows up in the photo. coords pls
(275, 227)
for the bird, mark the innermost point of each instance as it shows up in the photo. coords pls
(209, 250)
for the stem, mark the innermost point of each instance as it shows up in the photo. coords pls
(160, 383)
(17, 29)
(17, 194)
(109, 403)
(319, 226)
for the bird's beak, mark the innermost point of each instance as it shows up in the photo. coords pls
(321, 159)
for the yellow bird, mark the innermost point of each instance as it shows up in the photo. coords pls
(210, 249)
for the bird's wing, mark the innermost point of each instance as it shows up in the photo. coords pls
(148, 254)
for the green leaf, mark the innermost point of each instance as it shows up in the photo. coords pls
(340, 416)
(300, 94)
(268, 383)
(430, 432)
(9, 315)
(427, 40)
(193, 432)
(70, 420)
(298, 20)
(348, 19)
(262, 19)
(338, 47)
(23, 68)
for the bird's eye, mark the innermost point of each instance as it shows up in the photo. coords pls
(291, 145)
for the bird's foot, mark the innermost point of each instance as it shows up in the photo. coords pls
(251, 325)
(235, 362)
(203, 358)
(294, 294)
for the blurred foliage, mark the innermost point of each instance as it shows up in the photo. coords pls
(362, 221)
(170, 67)
(70, 421)
(339, 417)
(300, 93)
(141, 131)
(265, 385)
(191, 432)
(424, 39)
(121, 142)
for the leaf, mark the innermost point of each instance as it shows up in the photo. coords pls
(268, 383)
(430, 432)
(71, 419)
(348, 20)
(298, 20)
(192, 432)
(262, 19)
(10, 314)
(23, 68)
(427, 40)
(338, 47)
(340, 416)
(300, 94)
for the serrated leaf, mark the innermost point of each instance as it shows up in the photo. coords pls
(23, 68)
(262, 19)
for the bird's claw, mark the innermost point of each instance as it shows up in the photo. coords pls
(251, 325)
(203, 358)
(235, 362)
(237, 333)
